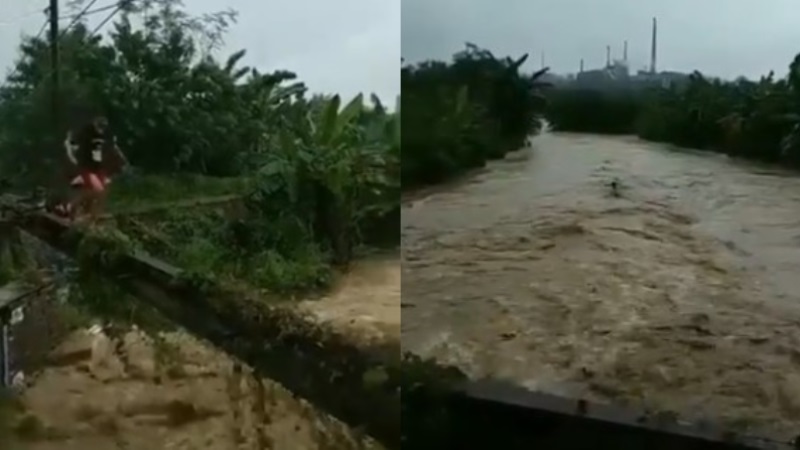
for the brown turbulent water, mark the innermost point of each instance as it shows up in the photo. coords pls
(140, 392)
(680, 295)
(171, 392)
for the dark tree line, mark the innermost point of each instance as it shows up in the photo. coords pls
(459, 114)
(752, 119)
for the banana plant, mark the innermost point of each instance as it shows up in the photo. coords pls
(331, 149)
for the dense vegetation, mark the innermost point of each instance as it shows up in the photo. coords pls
(751, 119)
(316, 178)
(593, 111)
(460, 114)
(319, 176)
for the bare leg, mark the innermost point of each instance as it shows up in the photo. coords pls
(93, 207)
(83, 205)
(76, 203)
(102, 198)
(93, 195)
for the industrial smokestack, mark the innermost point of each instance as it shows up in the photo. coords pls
(653, 48)
(581, 66)
(608, 56)
(625, 52)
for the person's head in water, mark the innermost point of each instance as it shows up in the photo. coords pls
(615, 187)
(100, 123)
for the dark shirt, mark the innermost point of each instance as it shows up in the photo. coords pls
(93, 146)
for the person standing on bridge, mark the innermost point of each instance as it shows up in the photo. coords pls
(90, 150)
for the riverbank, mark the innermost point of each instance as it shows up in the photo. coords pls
(461, 114)
(679, 296)
(365, 302)
(422, 192)
(756, 120)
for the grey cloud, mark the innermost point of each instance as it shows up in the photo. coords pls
(344, 46)
(719, 37)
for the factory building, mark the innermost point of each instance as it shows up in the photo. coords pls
(617, 74)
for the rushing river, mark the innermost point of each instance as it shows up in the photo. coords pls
(682, 293)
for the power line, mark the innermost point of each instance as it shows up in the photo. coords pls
(75, 17)
(118, 8)
(22, 17)
(15, 21)
(85, 13)
(55, 36)
(45, 11)
(41, 30)
(78, 16)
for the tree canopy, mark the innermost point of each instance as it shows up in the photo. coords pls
(324, 171)
(757, 119)
(457, 115)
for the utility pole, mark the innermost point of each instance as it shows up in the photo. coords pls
(55, 66)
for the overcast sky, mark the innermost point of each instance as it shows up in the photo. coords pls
(720, 37)
(344, 46)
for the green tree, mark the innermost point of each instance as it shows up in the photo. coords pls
(326, 177)
(458, 115)
(751, 119)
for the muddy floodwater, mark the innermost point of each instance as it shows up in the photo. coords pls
(143, 391)
(680, 294)
(140, 392)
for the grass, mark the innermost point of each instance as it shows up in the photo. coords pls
(273, 255)
(136, 191)
(209, 244)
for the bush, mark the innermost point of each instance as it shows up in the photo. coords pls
(594, 111)
(458, 115)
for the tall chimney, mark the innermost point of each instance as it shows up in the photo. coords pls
(581, 66)
(653, 49)
(608, 56)
(625, 52)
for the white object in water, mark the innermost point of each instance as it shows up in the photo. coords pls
(62, 294)
(17, 315)
(18, 381)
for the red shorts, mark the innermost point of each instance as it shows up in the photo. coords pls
(95, 180)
